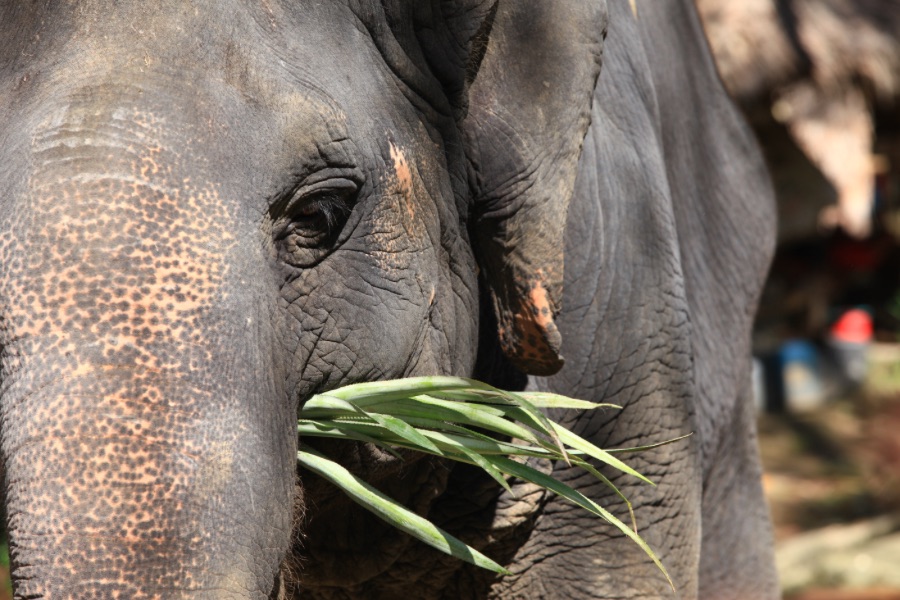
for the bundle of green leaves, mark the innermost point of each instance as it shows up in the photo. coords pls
(463, 420)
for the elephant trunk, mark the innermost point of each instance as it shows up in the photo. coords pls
(147, 442)
(118, 486)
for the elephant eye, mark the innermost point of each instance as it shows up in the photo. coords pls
(323, 213)
(309, 221)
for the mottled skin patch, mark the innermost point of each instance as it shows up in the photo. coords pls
(529, 335)
(124, 432)
(102, 330)
(403, 191)
(401, 169)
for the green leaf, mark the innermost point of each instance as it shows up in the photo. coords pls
(325, 405)
(649, 446)
(487, 446)
(578, 443)
(534, 476)
(590, 469)
(398, 388)
(321, 429)
(485, 417)
(529, 414)
(491, 470)
(534, 417)
(457, 418)
(402, 429)
(551, 400)
(393, 513)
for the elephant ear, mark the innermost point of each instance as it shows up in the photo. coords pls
(531, 78)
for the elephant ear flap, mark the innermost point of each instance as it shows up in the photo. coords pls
(528, 111)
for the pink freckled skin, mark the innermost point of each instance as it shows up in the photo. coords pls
(401, 168)
(404, 181)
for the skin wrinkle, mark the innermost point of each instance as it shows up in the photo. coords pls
(628, 381)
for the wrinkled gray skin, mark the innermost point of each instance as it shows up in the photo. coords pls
(210, 211)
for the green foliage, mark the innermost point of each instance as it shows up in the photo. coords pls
(463, 420)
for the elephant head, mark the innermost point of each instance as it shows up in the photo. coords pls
(210, 211)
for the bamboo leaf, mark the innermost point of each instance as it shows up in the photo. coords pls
(446, 442)
(538, 420)
(458, 419)
(402, 429)
(578, 443)
(532, 416)
(485, 417)
(320, 429)
(391, 512)
(590, 469)
(649, 446)
(491, 470)
(325, 405)
(534, 476)
(487, 446)
(551, 400)
(398, 388)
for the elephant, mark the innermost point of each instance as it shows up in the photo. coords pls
(211, 211)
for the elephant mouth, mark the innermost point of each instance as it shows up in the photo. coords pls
(339, 544)
(367, 461)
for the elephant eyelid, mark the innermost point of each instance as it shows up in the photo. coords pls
(304, 199)
(313, 210)
(330, 208)
(337, 192)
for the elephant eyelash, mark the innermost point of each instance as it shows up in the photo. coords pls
(328, 208)
(321, 207)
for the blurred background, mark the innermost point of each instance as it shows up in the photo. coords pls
(819, 81)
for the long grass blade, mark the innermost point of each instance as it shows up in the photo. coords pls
(590, 469)
(462, 420)
(538, 420)
(485, 417)
(326, 404)
(551, 400)
(446, 442)
(648, 446)
(401, 429)
(320, 429)
(398, 388)
(491, 470)
(534, 476)
(388, 510)
(578, 443)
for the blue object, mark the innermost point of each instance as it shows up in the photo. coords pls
(801, 375)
